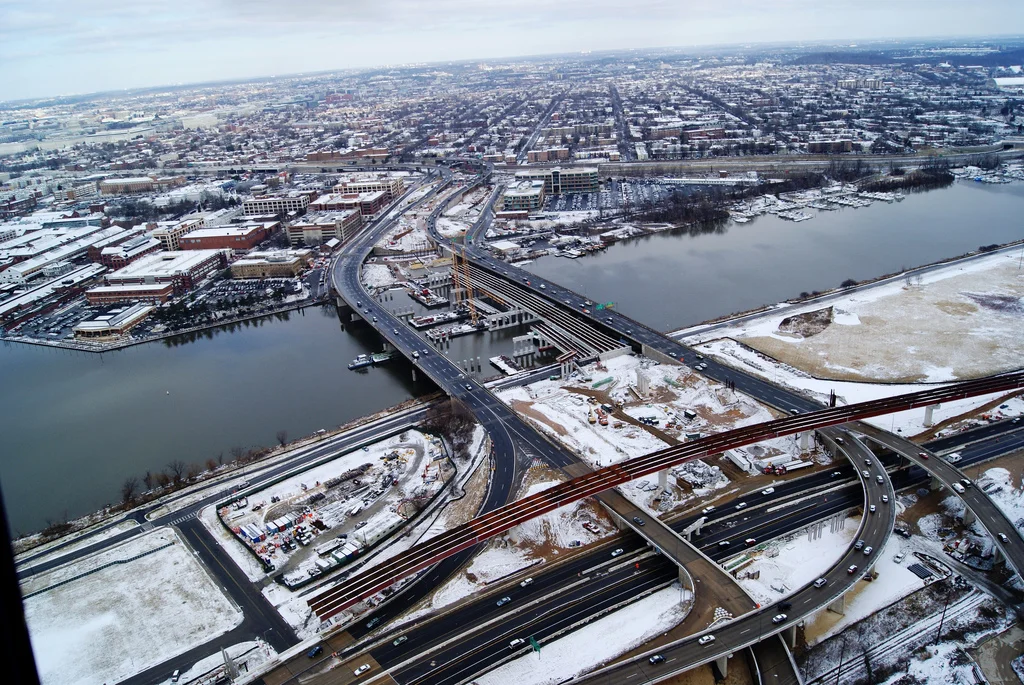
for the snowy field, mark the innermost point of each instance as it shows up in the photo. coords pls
(593, 645)
(954, 323)
(124, 618)
(908, 423)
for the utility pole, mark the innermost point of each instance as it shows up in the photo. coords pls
(942, 619)
(839, 669)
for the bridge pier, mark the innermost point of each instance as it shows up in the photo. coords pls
(935, 484)
(928, 420)
(662, 480)
(722, 664)
(838, 605)
(805, 441)
(789, 635)
(414, 374)
(969, 517)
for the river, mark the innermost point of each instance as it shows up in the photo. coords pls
(74, 425)
(670, 282)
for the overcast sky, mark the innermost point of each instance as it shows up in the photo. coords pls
(55, 47)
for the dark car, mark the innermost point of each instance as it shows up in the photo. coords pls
(638, 521)
(656, 659)
(315, 652)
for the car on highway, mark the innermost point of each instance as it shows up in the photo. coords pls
(400, 640)
(868, 551)
(767, 491)
(872, 509)
(879, 479)
(616, 552)
(372, 622)
(518, 642)
(706, 640)
(361, 670)
(707, 510)
(315, 652)
(175, 675)
(526, 581)
(867, 462)
(859, 544)
(866, 473)
(820, 583)
(657, 659)
(779, 618)
(750, 542)
(966, 482)
(922, 455)
(885, 499)
(638, 521)
(724, 543)
(468, 386)
(503, 601)
(1002, 538)
(852, 569)
(741, 505)
(840, 441)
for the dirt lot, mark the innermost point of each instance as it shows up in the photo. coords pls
(960, 323)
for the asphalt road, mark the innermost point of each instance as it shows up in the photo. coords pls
(821, 495)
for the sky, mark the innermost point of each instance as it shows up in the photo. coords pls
(60, 47)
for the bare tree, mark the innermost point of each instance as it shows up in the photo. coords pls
(237, 452)
(148, 480)
(129, 488)
(177, 469)
(282, 437)
(194, 470)
(211, 464)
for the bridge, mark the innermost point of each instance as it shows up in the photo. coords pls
(580, 331)
(502, 519)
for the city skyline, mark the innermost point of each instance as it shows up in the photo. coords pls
(71, 48)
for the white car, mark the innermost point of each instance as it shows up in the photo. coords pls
(362, 669)
(899, 558)
(706, 640)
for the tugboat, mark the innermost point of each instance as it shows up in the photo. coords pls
(360, 361)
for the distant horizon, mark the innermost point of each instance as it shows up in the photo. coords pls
(848, 44)
(76, 48)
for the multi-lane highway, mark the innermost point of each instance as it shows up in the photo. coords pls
(585, 328)
(794, 504)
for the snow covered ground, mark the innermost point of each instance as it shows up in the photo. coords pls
(451, 228)
(908, 423)
(953, 323)
(124, 618)
(786, 565)
(593, 645)
(894, 582)
(247, 657)
(555, 408)
(378, 275)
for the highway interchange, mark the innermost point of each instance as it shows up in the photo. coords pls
(482, 403)
(516, 444)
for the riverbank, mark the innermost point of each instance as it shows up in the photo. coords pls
(121, 344)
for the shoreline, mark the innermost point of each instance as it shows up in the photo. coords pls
(125, 344)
